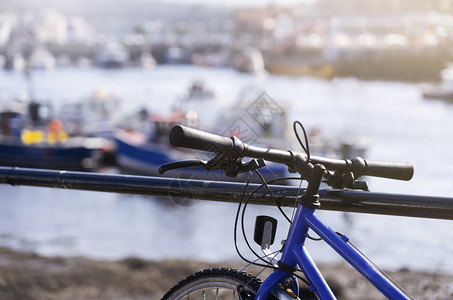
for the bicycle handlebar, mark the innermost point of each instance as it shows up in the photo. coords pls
(182, 136)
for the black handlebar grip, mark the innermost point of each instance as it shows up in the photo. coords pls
(182, 136)
(394, 170)
(362, 167)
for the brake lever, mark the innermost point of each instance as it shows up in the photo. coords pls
(340, 181)
(189, 163)
(238, 166)
(211, 165)
(252, 165)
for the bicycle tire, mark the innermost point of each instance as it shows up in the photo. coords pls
(216, 283)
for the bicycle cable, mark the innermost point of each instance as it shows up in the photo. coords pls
(275, 253)
(241, 201)
(243, 229)
(307, 146)
(237, 219)
(307, 151)
(374, 265)
(279, 205)
(272, 195)
(273, 267)
(267, 265)
(275, 200)
(254, 262)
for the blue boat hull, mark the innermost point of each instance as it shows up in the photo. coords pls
(63, 157)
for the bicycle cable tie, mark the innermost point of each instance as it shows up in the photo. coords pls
(286, 268)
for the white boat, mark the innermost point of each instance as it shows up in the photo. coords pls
(147, 61)
(15, 62)
(94, 115)
(249, 61)
(440, 91)
(112, 55)
(42, 59)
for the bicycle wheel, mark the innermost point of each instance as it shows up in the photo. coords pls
(218, 283)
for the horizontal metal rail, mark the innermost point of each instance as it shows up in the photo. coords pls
(338, 200)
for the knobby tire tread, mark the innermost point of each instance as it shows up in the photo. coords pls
(251, 282)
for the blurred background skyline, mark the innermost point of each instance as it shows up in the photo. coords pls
(402, 40)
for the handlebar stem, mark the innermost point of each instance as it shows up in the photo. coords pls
(310, 197)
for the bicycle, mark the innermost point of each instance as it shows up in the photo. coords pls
(282, 283)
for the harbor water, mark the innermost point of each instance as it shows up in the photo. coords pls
(398, 124)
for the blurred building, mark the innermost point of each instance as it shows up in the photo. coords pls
(366, 41)
(7, 22)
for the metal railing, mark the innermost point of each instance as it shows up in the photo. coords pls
(338, 200)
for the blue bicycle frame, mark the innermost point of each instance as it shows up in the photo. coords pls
(294, 253)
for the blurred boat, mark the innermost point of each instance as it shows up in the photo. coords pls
(31, 137)
(147, 61)
(255, 118)
(441, 91)
(94, 115)
(15, 62)
(258, 119)
(112, 55)
(197, 91)
(76, 154)
(140, 152)
(249, 61)
(42, 59)
(201, 102)
(177, 55)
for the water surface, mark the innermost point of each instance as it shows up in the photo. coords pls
(399, 124)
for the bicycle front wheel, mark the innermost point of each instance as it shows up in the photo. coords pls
(218, 283)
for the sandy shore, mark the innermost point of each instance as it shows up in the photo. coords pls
(30, 276)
